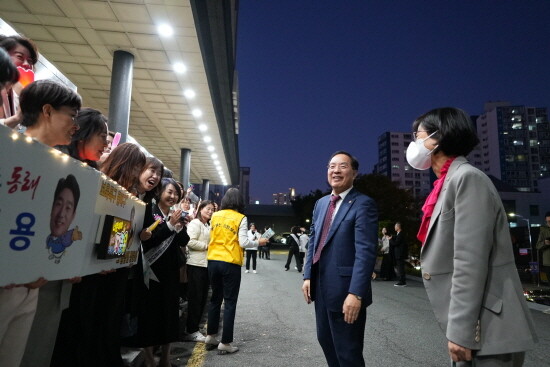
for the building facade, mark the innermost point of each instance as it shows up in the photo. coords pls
(514, 144)
(392, 162)
(244, 184)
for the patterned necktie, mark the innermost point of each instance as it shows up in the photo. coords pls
(326, 226)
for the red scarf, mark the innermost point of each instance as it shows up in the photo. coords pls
(429, 204)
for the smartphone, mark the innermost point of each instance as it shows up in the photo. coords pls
(183, 215)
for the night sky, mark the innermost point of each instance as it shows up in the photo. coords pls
(320, 76)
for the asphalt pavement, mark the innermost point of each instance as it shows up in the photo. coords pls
(275, 327)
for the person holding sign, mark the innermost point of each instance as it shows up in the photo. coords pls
(49, 112)
(77, 328)
(49, 109)
(123, 165)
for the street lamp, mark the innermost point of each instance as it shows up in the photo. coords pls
(530, 243)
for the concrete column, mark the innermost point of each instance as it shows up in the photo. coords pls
(185, 167)
(205, 189)
(121, 93)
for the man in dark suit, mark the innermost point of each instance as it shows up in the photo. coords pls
(400, 250)
(340, 261)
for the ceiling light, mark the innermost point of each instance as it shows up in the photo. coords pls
(196, 112)
(203, 127)
(210, 148)
(216, 163)
(214, 156)
(189, 93)
(165, 30)
(179, 68)
(207, 139)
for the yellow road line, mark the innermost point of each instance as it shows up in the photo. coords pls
(198, 356)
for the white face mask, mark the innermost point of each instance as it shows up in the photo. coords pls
(418, 155)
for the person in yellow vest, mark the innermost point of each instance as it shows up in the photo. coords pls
(228, 239)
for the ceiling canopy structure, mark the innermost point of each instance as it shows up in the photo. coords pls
(184, 88)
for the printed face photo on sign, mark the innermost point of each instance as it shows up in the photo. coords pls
(66, 196)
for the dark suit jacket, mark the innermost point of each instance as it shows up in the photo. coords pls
(349, 255)
(399, 246)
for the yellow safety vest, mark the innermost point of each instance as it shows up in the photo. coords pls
(224, 237)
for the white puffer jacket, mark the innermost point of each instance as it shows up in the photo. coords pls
(199, 237)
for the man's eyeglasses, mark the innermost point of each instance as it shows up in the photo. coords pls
(332, 166)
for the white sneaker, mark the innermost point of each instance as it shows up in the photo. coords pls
(211, 340)
(254, 271)
(226, 349)
(195, 337)
(246, 271)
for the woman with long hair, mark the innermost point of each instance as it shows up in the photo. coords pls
(123, 165)
(228, 239)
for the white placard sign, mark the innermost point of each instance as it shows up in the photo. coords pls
(54, 214)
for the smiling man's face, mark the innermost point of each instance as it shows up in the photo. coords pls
(63, 211)
(340, 174)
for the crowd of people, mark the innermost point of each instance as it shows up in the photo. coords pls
(467, 260)
(187, 245)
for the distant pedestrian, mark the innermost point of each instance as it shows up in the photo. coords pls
(252, 252)
(267, 248)
(467, 261)
(543, 245)
(386, 268)
(398, 244)
(293, 243)
(340, 261)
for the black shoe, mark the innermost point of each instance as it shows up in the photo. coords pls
(400, 284)
(286, 268)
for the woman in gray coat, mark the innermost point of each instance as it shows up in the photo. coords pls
(467, 260)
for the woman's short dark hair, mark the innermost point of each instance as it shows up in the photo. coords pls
(8, 43)
(90, 122)
(71, 184)
(159, 166)
(454, 130)
(169, 181)
(295, 230)
(201, 207)
(354, 161)
(233, 200)
(43, 92)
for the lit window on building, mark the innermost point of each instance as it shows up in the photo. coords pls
(517, 126)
